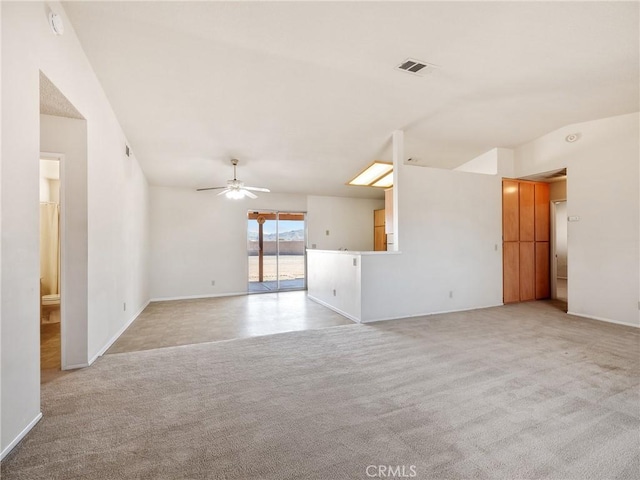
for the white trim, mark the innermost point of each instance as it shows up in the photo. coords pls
(20, 436)
(442, 312)
(76, 366)
(115, 336)
(193, 297)
(602, 319)
(331, 307)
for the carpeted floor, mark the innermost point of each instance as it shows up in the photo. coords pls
(516, 392)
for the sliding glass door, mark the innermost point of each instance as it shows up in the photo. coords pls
(276, 249)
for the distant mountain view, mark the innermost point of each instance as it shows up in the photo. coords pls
(291, 236)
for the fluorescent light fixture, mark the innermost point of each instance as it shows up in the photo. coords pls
(373, 174)
(385, 182)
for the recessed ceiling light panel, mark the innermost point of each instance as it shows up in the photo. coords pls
(373, 174)
(384, 182)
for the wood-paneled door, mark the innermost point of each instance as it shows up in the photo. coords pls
(379, 235)
(525, 240)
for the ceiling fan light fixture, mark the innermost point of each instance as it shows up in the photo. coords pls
(236, 189)
(234, 194)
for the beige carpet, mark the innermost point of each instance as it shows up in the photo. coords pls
(514, 392)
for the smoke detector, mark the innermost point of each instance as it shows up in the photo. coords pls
(416, 67)
(572, 137)
(56, 24)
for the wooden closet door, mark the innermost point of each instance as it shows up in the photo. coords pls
(543, 289)
(527, 271)
(527, 212)
(510, 211)
(511, 272)
(542, 212)
(525, 235)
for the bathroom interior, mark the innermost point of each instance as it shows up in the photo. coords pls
(50, 317)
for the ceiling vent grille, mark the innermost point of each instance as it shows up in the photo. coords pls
(416, 67)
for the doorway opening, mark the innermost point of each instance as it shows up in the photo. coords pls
(559, 266)
(535, 238)
(50, 263)
(63, 130)
(276, 251)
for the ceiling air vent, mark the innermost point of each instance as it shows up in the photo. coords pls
(416, 67)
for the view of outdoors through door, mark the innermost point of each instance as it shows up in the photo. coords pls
(276, 249)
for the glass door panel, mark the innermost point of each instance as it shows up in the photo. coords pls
(291, 251)
(276, 250)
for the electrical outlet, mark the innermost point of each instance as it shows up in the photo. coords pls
(355, 262)
(213, 283)
(450, 293)
(495, 247)
(313, 245)
(334, 292)
(124, 305)
(326, 232)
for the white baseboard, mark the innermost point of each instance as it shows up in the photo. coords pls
(75, 367)
(193, 297)
(115, 337)
(331, 307)
(20, 436)
(428, 314)
(602, 319)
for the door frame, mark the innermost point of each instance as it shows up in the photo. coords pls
(277, 214)
(59, 157)
(554, 253)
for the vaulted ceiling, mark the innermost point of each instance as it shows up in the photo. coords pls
(306, 94)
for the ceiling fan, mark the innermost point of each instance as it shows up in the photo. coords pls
(235, 188)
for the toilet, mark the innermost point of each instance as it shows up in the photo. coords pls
(50, 308)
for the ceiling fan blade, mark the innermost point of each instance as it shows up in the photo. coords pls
(235, 188)
(247, 193)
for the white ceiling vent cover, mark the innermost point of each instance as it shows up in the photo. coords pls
(416, 67)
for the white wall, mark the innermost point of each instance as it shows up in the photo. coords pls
(602, 189)
(487, 163)
(116, 200)
(451, 226)
(45, 190)
(54, 190)
(335, 281)
(558, 190)
(197, 237)
(68, 136)
(497, 161)
(349, 221)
